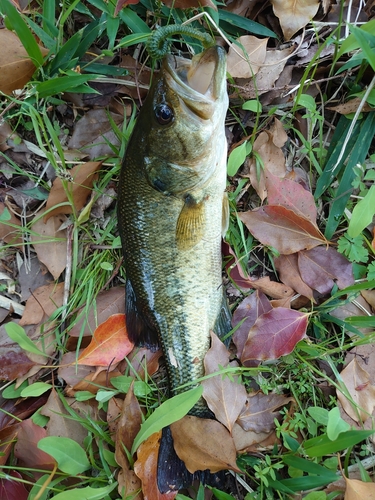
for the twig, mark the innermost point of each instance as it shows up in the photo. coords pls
(11, 304)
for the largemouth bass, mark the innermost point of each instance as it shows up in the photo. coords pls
(172, 212)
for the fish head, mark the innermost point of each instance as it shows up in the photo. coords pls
(186, 110)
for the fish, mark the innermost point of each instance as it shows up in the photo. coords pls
(172, 213)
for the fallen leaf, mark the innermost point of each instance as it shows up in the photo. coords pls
(14, 410)
(359, 490)
(146, 469)
(10, 234)
(224, 396)
(268, 74)
(11, 489)
(123, 3)
(351, 107)
(43, 303)
(290, 194)
(13, 362)
(234, 268)
(275, 334)
(272, 288)
(60, 424)
(294, 14)
(109, 345)
(26, 449)
(8, 436)
(144, 361)
(49, 242)
(272, 157)
(287, 267)
(216, 452)
(248, 311)
(128, 426)
(107, 302)
(357, 382)
(79, 187)
(282, 229)
(16, 67)
(322, 267)
(253, 52)
(258, 414)
(250, 441)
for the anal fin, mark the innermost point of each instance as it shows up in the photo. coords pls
(140, 330)
(190, 224)
(223, 323)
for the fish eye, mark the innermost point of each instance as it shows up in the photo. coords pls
(164, 114)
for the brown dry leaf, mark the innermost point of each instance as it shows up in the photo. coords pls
(16, 67)
(49, 242)
(294, 14)
(253, 56)
(351, 107)
(359, 490)
(357, 382)
(250, 441)
(107, 302)
(128, 426)
(144, 361)
(272, 158)
(59, 423)
(43, 303)
(359, 307)
(224, 396)
(94, 132)
(369, 296)
(216, 452)
(287, 267)
(268, 74)
(146, 469)
(8, 436)
(11, 235)
(282, 229)
(79, 188)
(272, 288)
(259, 413)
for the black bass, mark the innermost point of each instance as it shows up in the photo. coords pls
(172, 212)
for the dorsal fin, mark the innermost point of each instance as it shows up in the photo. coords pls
(190, 224)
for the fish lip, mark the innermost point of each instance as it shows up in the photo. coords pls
(174, 66)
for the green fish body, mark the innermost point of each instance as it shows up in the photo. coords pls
(172, 212)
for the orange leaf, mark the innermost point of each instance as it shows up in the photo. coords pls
(282, 229)
(109, 344)
(146, 469)
(79, 186)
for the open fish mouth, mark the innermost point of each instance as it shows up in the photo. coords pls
(199, 82)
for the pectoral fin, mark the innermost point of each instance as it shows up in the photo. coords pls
(225, 216)
(190, 224)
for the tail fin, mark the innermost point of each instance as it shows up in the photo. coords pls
(172, 473)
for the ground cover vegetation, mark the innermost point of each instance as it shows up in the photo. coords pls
(294, 396)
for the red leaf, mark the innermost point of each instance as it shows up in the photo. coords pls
(26, 449)
(290, 194)
(123, 3)
(233, 267)
(13, 489)
(275, 334)
(320, 267)
(250, 308)
(109, 345)
(282, 229)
